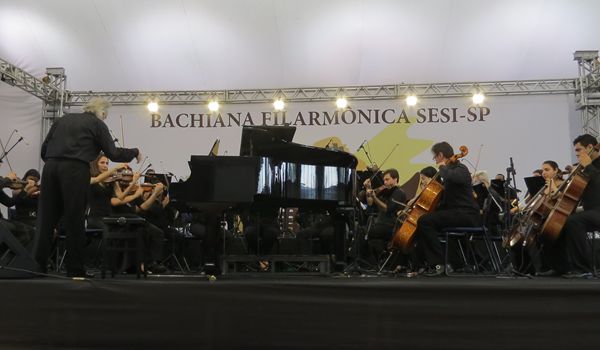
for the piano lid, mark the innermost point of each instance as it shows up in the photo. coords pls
(256, 137)
(276, 142)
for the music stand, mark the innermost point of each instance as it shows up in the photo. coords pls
(534, 184)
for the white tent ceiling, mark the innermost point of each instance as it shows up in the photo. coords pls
(228, 44)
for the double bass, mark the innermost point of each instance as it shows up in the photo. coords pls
(424, 203)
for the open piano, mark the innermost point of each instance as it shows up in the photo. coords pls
(271, 170)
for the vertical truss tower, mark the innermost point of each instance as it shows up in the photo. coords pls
(587, 91)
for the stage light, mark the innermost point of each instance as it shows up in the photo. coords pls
(411, 100)
(341, 103)
(152, 106)
(478, 98)
(279, 105)
(213, 106)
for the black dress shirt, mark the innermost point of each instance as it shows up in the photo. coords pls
(458, 190)
(591, 194)
(81, 136)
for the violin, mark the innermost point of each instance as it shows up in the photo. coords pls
(148, 187)
(13, 184)
(123, 175)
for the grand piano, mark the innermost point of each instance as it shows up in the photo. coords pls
(271, 170)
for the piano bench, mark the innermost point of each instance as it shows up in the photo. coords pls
(277, 261)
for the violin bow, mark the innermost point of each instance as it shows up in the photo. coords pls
(122, 131)
(6, 155)
(478, 158)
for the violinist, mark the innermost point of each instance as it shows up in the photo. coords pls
(128, 201)
(102, 188)
(457, 208)
(74, 140)
(388, 200)
(24, 233)
(26, 199)
(156, 208)
(572, 251)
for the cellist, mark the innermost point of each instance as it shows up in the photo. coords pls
(572, 251)
(457, 208)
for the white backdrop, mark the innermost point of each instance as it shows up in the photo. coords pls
(530, 129)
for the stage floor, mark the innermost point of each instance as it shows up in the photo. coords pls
(293, 312)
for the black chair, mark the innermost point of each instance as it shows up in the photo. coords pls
(125, 235)
(470, 235)
(60, 251)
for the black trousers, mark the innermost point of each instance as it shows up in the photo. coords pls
(63, 194)
(572, 251)
(429, 227)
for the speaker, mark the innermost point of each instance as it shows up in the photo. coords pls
(14, 256)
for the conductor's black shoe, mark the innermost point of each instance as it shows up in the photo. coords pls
(80, 274)
(549, 273)
(577, 274)
(438, 270)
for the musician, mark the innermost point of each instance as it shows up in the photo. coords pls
(482, 177)
(129, 201)
(26, 199)
(553, 176)
(388, 200)
(73, 141)
(101, 191)
(24, 233)
(457, 208)
(572, 251)
(425, 176)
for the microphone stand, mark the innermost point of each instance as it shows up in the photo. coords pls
(366, 153)
(511, 176)
(6, 152)
(357, 239)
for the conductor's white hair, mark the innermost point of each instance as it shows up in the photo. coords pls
(97, 106)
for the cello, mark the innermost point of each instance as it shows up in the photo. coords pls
(565, 203)
(424, 203)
